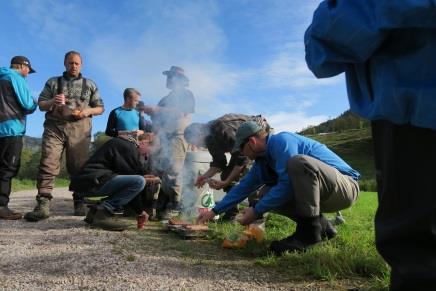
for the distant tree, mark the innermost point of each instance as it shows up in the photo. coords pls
(29, 164)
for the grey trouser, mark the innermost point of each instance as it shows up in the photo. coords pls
(170, 163)
(318, 188)
(74, 138)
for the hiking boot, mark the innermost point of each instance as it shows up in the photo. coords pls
(41, 210)
(90, 215)
(79, 208)
(8, 214)
(153, 215)
(328, 231)
(339, 219)
(308, 233)
(170, 211)
(104, 220)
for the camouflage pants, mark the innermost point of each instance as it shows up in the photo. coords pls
(72, 137)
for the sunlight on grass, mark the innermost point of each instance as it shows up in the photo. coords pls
(351, 254)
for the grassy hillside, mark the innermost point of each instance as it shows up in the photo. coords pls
(355, 147)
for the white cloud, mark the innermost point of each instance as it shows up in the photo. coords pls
(132, 47)
(186, 36)
(288, 69)
(293, 121)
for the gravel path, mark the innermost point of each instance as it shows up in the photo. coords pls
(62, 253)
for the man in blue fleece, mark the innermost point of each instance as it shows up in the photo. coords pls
(308, 179)
(126, 119)
(16, 102)
(387, 51)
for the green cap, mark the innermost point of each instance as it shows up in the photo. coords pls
(247, 129)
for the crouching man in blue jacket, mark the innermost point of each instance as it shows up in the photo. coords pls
(308, 179)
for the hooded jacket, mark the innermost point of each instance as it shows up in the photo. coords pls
(16, 102)
(118, 156)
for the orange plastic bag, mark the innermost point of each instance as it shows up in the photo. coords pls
(255, 231)
(235, 241)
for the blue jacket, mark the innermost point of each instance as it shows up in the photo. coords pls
(16, 102)
(386, 49)
(271, 169)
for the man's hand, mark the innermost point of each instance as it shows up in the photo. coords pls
(80, 114)
(248, 216)
(217, 185)
(205, 216)
(151, 179)
(60, 99)
(139, 132)
(201, 180)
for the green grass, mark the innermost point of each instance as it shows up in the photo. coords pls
(18, 185)
(350, 257)
(351, 254)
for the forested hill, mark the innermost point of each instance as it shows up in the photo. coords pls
(345, 121)
(349, 136)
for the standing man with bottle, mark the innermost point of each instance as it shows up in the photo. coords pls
(70, 102)
(16, 102)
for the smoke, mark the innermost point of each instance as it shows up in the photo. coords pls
(196, 163)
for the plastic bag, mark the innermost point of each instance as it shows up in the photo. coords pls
(206, 201)
(255, 231)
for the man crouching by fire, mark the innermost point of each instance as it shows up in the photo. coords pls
(118, 172)
(307, 177)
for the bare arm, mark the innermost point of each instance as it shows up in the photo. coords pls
(234, 175)
(201, 180)
(91, 111)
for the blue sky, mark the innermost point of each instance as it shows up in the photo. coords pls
(241, 56)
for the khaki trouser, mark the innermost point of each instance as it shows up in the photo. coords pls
(169, 163)
(318, 188)
(74, 138)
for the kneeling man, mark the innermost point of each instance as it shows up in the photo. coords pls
(307, 177)
(117, 171)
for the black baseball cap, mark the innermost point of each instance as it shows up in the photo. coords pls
(22, 60)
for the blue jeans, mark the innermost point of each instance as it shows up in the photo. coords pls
(120, 189)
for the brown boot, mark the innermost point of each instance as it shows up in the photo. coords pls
(8, 214)
(41, 211)
(107, 221)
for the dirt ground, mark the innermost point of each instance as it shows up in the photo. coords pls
(63, 253)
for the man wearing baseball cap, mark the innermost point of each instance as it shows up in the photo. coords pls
(16, 102)
(308, 179)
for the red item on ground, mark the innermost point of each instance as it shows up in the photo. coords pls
(142, 220)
